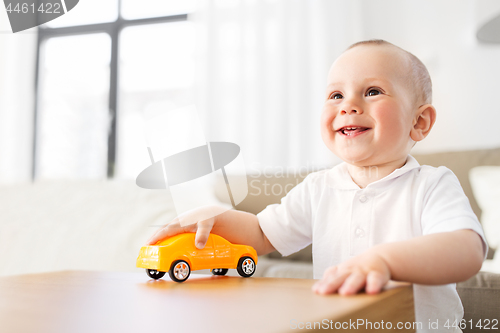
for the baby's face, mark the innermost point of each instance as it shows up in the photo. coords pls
(368, 112)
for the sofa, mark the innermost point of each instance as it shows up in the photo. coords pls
(100, 225)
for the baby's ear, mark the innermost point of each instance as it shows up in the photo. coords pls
(425, 117)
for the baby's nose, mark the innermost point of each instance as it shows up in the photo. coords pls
(351, 111)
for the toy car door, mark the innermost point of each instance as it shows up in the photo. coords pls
(223, 255)
(204, 258)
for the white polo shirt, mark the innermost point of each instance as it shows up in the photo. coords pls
(342, 220)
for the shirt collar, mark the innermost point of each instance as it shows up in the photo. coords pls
(341, 179)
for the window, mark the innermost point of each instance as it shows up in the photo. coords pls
(156, 72)
(98, 71)
(73, 118)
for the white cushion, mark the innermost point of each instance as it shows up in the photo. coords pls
(485, 183)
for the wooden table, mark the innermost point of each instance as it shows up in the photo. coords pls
(90, 302)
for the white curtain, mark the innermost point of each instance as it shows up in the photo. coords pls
(17, 83)
(262, 68)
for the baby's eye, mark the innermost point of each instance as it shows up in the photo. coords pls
(373, 92)
(336, 96)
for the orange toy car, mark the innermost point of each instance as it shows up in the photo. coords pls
(179, 256)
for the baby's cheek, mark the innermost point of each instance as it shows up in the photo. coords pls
(393, 127)
(326, 127)
(326, 130)
(326, 119)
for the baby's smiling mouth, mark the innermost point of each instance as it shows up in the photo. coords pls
(352, 130)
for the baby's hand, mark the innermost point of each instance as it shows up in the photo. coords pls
(189, 222)
(368, 271)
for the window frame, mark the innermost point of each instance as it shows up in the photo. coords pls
(113, 29)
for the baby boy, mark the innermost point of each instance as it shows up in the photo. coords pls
(378, 216)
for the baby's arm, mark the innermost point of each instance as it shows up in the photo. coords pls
(236, 226)
(433, 259)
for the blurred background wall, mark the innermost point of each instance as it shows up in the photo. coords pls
(74, 92)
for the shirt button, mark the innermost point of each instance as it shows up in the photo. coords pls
(360, 233)
(363, 198)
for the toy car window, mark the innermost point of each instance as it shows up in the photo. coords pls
(219, 241)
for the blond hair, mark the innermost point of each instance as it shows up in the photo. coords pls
(418, 78)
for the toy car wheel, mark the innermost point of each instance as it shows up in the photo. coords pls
(154, 274)
(219, 271)
(180, 270)
(246, 267)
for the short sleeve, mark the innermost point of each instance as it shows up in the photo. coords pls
(288, 225)
(447, 208)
